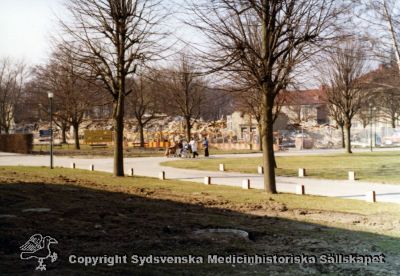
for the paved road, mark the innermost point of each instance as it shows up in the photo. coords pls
(150, 166)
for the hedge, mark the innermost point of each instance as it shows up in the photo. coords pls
(18, 143)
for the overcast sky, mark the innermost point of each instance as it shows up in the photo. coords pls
(25, 27)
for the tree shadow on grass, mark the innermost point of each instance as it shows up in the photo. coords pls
(90, 222)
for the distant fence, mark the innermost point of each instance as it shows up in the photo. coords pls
(18, 143)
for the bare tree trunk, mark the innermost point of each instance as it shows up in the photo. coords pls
(347, 126)
(63, 134)
(389, 21)
(259, 126)
(268, 146)
(118, 118)
(141, 134)
(76, 136)
(343, 137)
(393, 122)
(188, 129)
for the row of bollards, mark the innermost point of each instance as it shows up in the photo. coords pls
(260, 169)
(300, 189)
(351, 174)
(301, 172)
(370, 196)
(91, 168)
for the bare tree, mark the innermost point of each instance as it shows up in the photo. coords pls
(27, 110)
(345, 67)
(382, 18)
(220, 103)
(12, 77)
(38, 102)
(287, 33)
(186, 91)
(144, 102)
(112, 39)
(336, 114)
(384, 87)
(250, 101)
(73, 95)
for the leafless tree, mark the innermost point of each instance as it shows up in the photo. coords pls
(12, 77)
(287, 33)
(186, 91)
(382, 19)
(37, 99)
(112, 39)
(335, 113)
(144, 102)
(384, 87)
(250, 101)
(343, 74)
(74, 96)
(220, 103)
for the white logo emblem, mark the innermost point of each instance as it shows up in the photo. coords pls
(38, 248)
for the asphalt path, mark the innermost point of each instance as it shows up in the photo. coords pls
(150, 167)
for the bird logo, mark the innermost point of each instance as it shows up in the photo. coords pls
(38, 248)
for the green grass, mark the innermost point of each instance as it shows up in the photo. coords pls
(381, 167)
(182, 189)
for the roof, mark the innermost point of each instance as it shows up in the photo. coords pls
(305, 97)
(384, 76)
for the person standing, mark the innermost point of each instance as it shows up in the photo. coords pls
(193, 145)
(179, 148)
(205, 146)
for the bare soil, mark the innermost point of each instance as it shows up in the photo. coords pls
(92, 219)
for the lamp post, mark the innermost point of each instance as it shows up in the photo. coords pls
(370, 128)
(51, 95)
(375, 121)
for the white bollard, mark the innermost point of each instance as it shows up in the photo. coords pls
(207, 180)
(73, 166)
(246, 184)
(371, 196)
(132, 172)
(222, 167)
(352, 176)
(161, 176)
(300, 190)
(91, 167)
(302, 172)
(260, 170)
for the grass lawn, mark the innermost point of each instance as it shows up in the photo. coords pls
(95, 214)
(381, 167)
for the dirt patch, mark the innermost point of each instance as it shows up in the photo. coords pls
(93, 219)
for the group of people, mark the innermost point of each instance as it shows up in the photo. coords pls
(185, 149)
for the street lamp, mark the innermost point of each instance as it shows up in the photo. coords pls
(51, 95)
(375, 122)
